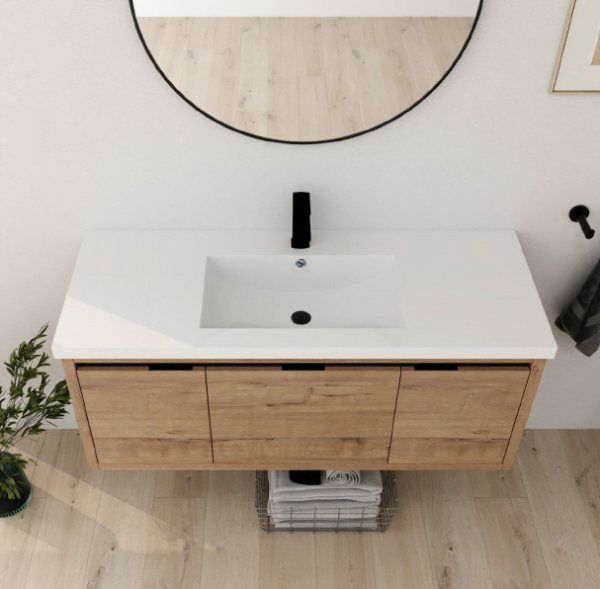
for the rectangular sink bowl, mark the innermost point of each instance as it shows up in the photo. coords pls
(302, 292)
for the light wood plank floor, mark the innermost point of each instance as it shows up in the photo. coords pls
(304, 79)
(536, 527)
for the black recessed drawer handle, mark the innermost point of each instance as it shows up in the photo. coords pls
(171, 367)
(303, 367)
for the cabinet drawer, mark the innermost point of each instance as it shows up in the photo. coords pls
(268, 415)
(146, 418)
(457, 417)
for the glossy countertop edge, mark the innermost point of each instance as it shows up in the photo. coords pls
(73, 337)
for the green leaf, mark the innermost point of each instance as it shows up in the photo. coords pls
(25, 406)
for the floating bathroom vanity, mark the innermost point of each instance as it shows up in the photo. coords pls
(422, 350)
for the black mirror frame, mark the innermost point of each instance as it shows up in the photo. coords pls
(343, 138)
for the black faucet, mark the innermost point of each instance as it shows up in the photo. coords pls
(301, 221)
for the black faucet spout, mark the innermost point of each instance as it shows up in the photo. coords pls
(301, 235)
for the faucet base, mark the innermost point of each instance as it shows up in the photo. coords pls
(300, 245)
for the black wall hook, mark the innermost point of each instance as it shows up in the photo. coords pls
(580, 214)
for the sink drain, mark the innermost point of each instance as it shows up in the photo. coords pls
(301, 317)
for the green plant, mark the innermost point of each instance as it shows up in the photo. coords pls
(26, 408)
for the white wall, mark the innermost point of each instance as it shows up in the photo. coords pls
(306, 7)
(91, 137)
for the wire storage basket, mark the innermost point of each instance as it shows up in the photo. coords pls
(355, 519)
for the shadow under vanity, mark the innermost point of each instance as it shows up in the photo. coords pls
(158, 384)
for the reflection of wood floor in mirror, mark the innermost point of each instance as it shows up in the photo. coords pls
(304, 79)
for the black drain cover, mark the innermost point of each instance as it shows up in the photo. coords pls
(301, 317)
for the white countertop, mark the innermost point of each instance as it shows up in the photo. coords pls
(138, 295)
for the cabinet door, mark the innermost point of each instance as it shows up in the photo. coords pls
(269, 416)
(461, 417)
(142, 418)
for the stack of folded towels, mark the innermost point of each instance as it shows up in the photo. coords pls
(343, 499)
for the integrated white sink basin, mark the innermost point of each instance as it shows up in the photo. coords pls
(335, 291)
(431, 295)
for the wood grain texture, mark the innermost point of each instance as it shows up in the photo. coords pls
(277, 362)
(503, 483)
(297, 551)
(44, 452)
(468, 403)
(162, 404)
(442, 537)
(231, 533)
(191, 484)
(143, 454)
(147, 417)
(252, 79)
(80, 413)
(269, 414)
(339, 448)
(282, 98)
(175, 544)
(64, 538)
(18, 539)
(305, 78)
(401, 555)
(454, 534)
(582, 452)
(430, 452)
(565, 536)
(314, 464)
(533, 382)
(344, 561)
(302, 453)
(512, 545)
(462, 416)
(124, 514)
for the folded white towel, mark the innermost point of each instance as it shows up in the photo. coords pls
(366, 524)
(341, 478)
(281, 488)
(321, 510)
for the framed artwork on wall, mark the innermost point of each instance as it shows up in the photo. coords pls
(577, 69)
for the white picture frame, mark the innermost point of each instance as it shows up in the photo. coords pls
(574, 71)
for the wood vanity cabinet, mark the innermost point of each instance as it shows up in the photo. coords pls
(250, 416)
(272, 415)
(460, 416)
(142, 418)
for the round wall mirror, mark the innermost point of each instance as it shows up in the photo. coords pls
(304, 71)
